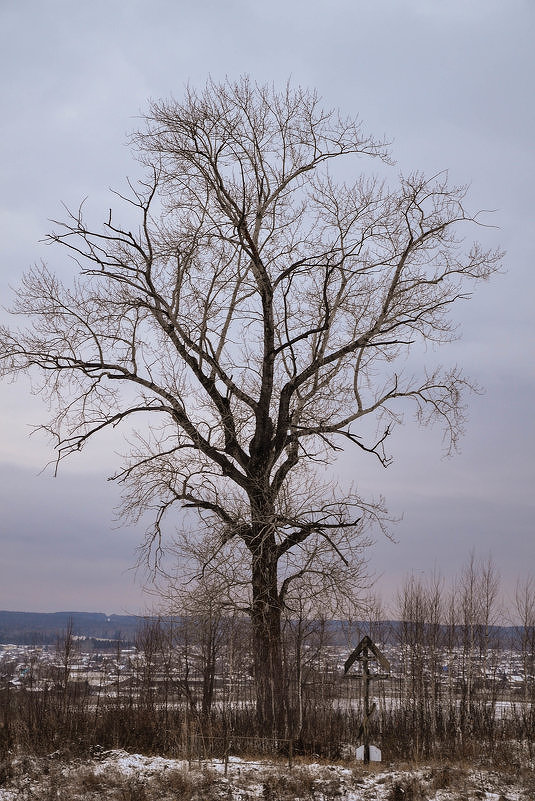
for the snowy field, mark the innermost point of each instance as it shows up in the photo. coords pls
(118, 776)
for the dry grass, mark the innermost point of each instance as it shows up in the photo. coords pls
(286, 786)
(107, 779)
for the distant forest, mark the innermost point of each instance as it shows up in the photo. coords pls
(42, 628)
(45, 628)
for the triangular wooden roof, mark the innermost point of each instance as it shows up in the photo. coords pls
(366, 642)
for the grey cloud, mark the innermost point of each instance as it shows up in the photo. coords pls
(447, 82)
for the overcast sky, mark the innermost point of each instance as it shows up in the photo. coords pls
(449, 83)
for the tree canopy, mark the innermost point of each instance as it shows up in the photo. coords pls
(257, 314)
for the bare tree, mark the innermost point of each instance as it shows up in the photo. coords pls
(257, 312)
(203, 624)
(524, 608)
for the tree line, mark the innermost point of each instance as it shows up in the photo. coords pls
(188, 689)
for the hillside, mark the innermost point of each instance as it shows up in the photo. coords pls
(44, 628)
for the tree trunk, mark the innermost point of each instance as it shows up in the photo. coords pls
(266, 626)
(208, 675)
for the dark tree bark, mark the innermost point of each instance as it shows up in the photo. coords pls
(266, 629)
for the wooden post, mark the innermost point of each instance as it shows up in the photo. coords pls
(367, 711)
(226, 745)
(362, 654)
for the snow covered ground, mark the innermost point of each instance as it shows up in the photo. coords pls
(119, 776)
